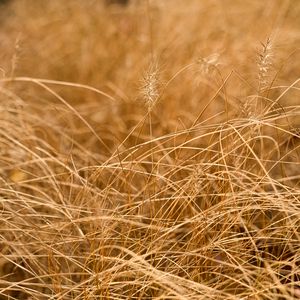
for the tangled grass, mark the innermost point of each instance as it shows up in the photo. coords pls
(150, 151)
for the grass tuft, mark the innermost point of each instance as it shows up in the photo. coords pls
(197, 197)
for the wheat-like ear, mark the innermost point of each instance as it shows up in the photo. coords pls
(15, 57)
(210, 63)
(264, 63)
(150, 85)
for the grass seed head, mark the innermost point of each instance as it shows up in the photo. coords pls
(264, 63)
(150, 86)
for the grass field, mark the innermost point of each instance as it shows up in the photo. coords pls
(150, 150)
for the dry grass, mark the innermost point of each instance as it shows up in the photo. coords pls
(150, 151)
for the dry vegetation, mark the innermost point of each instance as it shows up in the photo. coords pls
(150, 150)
